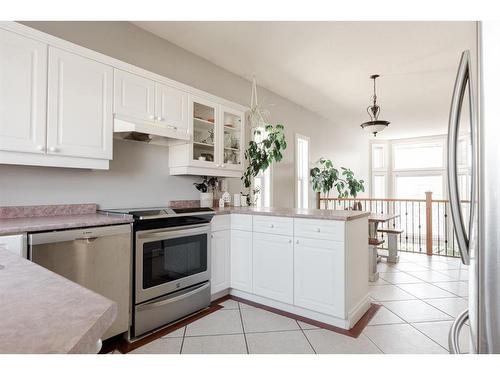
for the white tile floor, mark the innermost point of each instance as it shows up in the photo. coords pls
(420, 296)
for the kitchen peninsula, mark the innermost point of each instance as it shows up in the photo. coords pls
(308, 262)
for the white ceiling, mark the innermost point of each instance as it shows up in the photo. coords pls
(325, 66)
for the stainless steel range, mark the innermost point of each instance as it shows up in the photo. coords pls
(172, 265)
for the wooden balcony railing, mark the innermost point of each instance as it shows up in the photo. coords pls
(427, 223)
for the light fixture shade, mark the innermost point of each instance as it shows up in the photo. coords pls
(374, 125)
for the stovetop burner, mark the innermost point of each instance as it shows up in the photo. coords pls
(158, 213)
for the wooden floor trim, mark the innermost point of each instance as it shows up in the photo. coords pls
(353, 332)
(124, 346)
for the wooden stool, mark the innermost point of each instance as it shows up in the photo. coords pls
(392, 243)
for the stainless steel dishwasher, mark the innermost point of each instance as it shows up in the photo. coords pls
(97, 258)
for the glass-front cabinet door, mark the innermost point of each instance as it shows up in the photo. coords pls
(232, 124)
(205, 150)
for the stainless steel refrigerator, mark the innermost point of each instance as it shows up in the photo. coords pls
(474, 190)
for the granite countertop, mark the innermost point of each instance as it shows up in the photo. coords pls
(45, 223)
(307, 213)
(42, 312)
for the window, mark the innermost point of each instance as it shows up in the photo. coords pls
(414, 187)
(418, 155)
(301, 171)
(407, 168)
(263, 180)
(378, 190)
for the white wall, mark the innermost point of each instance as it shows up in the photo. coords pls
(138, 175)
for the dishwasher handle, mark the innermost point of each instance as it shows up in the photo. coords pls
(88, 234)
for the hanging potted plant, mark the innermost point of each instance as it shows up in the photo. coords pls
(260, 155)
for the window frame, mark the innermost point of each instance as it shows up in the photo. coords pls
(299, 137)
(391, 173)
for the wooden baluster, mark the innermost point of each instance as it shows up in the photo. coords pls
(428, 221)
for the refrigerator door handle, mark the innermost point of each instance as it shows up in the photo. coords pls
(454, 121)
(453, 336)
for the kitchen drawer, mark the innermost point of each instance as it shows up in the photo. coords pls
(273, 225)
(241, 222)
(331, 230)
(221, 222)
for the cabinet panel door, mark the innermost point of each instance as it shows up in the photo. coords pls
(171, 108)
(134, 96)
(23, 88)
(273, 266)
(319, 276)
(232, 138)
(204, 124)
(221, 267)
(80, 117)
(241, 260)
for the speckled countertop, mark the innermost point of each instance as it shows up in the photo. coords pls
(42, 312)
(307, 213)
(23, 219)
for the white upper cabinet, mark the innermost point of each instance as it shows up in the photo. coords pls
(171, 108)
(80, 113)
(217, 143)
(23, 87)
(134, 96)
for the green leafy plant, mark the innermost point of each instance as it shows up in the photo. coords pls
(326, 177)
(260, 155)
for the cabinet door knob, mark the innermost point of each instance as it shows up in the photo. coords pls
(297, 242)
(271, 225)
(53, 149)
(40, 148)
(318, 230)
(211, 236)
(289, 241)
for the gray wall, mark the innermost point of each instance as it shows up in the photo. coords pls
(138, 174)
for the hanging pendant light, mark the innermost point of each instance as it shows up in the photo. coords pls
(374, 125)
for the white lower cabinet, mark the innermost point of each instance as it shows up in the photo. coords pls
(319, 276)
(241, 260)
(273, 266)
(220, 261)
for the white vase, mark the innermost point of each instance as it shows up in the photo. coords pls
(243, 201)
(237, 200)
(206, 199)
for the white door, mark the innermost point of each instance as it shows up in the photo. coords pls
(134, 96)
(23, 88)
(319, 276)
(221, 267)
(80, 112)
(171, 108)
(273, 266)
(241, 260)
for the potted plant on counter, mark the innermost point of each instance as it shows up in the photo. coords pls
(261, 154)
(206, 189)
(326, 177)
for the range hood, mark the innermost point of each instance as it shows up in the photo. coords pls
(138, 131)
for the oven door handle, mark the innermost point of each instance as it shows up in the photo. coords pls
(167, 301)
(165, 233)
